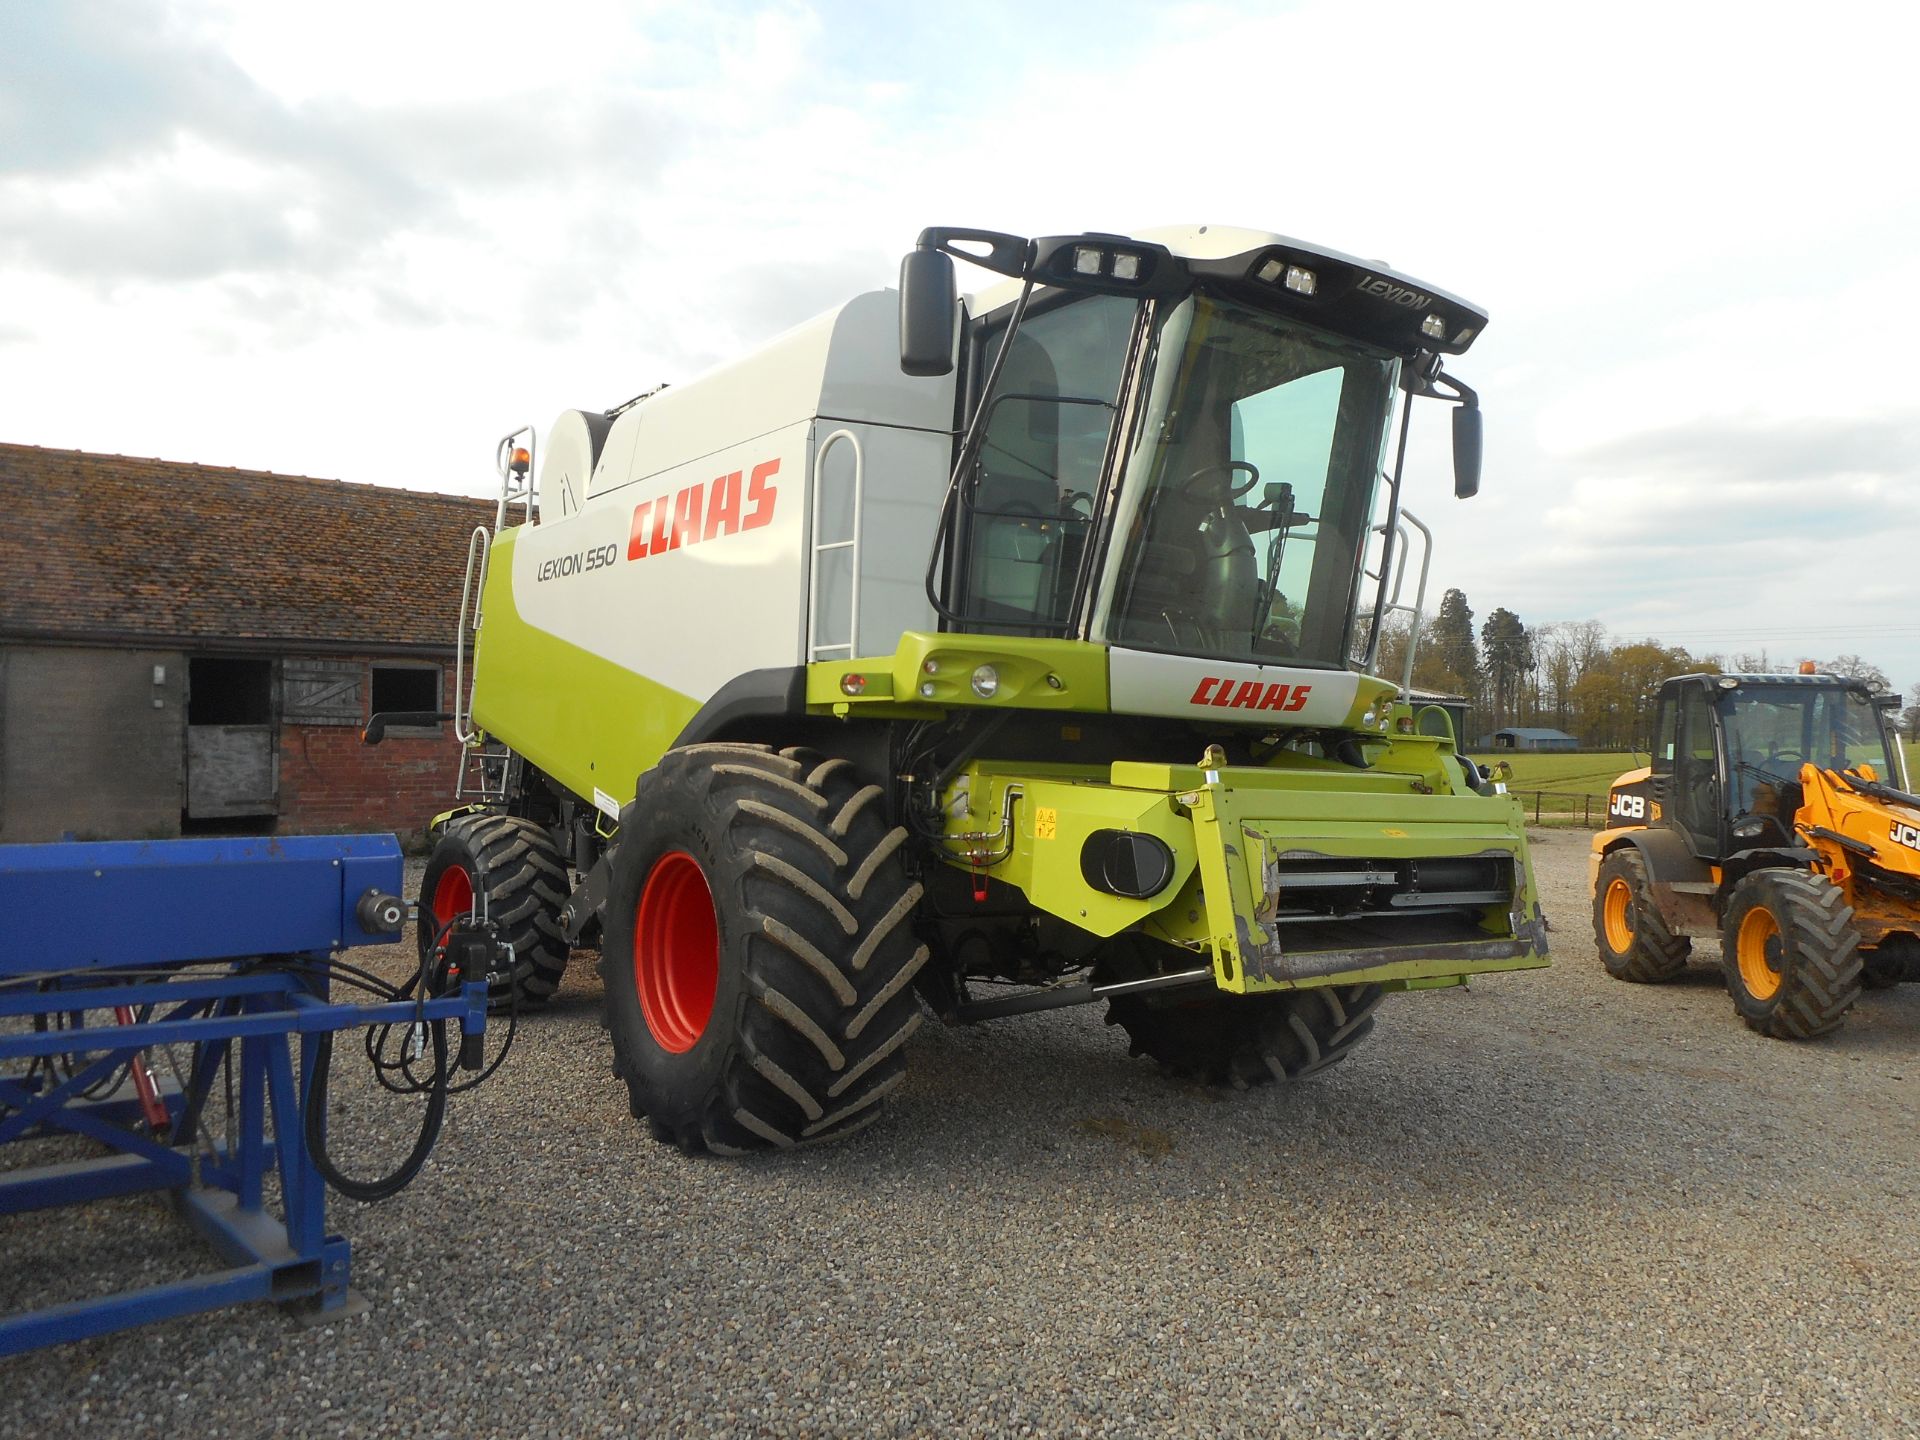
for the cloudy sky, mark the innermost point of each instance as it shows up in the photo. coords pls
(364, 240)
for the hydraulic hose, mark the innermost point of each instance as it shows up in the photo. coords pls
(314, 1124)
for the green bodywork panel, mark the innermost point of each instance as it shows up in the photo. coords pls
(929, 672)
(590, 724)
(1226, 826)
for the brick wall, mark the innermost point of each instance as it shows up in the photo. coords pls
(329, 780)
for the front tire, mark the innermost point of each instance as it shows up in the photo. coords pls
(1790, 954)
(1243, 1040)
(1633, 937)
(512, 865)
(759, 949)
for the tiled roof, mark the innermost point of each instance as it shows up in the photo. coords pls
(108, 546)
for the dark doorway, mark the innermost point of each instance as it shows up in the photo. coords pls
(233, 769)
(229, 692)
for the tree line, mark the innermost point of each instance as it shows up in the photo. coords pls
(1572, 675)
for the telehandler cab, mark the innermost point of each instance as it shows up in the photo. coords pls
(1776, 814)
(1002, 651)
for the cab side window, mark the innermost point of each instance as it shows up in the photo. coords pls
(1046, 428)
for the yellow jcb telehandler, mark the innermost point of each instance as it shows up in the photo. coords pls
(1778, 815)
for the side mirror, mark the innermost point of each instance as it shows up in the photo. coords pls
(1466, 451)
(927, 299)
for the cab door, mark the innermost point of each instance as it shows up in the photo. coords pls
(1697, 803)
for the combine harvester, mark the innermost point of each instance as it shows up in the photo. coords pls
(1018, 650)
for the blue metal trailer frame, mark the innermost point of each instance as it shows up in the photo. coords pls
(105, 928)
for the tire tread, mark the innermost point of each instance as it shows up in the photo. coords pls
(820, 918)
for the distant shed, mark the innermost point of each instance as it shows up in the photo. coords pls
(1516, 737)
(189, 648)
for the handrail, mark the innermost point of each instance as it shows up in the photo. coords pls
(815, 649)
(1418, 607)
(479, 552)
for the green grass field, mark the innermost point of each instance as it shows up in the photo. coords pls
(1572, 789)
(1561, 788)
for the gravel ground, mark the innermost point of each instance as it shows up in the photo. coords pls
(1548, 1204)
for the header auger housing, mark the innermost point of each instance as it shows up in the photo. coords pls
(1776, 815)
(1009, 651)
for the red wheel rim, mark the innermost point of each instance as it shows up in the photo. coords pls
(676, 952)
(452, 895)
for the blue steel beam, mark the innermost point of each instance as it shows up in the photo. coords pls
(147, 902)
(121, 1041)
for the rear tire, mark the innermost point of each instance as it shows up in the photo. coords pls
(1790, 953)
(1631, 934)
(1243, 1040)
(514, 865)
(760, 949)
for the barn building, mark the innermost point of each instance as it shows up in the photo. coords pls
(1517, 737)
(192, 649)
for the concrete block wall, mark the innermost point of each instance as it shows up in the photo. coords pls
(90, 745)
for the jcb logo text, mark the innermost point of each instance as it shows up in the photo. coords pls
(1628, 807)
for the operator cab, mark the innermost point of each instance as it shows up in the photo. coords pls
(1728, 749)
(1177, 449)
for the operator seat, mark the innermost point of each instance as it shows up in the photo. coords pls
(1193, 579)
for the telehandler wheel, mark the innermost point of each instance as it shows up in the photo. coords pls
(1244, 1040)
(1790, 953)
(1631, 934)
(514, 866)
(759, 949)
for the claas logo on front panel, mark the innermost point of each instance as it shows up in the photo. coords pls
(1249, 694)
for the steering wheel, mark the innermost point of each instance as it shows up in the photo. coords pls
(1192, 487)
(1791, 757)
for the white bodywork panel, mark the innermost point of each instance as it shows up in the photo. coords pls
(843, 365)
(626, 576)
(566, 465)
(1143, 682)
(627, 580)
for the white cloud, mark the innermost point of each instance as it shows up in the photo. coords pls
(361, 239)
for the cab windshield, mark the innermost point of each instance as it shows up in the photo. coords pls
(1244, 511)
(1772, 730)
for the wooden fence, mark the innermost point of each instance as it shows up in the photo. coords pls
(1557, 807)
